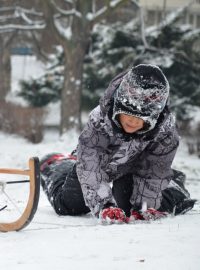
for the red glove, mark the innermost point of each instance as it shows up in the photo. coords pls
(112, 215)
(153, 214)
(149, 214)
(136, 216)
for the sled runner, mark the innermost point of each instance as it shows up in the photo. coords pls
(33, 174)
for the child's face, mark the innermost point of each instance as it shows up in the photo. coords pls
(130, 123)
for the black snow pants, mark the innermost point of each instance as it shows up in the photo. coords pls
(60, 183)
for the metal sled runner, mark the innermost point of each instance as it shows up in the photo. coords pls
(33, 173)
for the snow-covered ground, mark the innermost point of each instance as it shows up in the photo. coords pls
(53, 242)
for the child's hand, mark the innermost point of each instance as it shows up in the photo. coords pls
(152, 213)
(112, 215)
(149, 214)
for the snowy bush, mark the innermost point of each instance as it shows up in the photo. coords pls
(26, 122)
(42, 91)
(46, 88)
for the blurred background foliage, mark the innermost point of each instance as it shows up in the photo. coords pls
(173, 47)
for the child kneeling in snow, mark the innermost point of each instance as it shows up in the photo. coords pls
(124, 156)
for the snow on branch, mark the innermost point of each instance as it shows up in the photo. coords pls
(11, 22)
(185, 99)
(100, 14)
(192, 35)
(23, 14)
(17, 8)
(12, 27)
(66, 33)
(114, 3)
(72, 12)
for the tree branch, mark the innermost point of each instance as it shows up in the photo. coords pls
(9, 40)
(18, 13)
(72, 12)
(100, 14)
(38, 47)
(8, 17)
(146, 45)
(17, 8)
(12, 27)
(50, 19)
(27, 20)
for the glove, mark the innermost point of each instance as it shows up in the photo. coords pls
(112, 215)
(153, 214)
(149, 214)
(135, 216)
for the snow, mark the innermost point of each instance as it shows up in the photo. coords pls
(64, 32)
(53, 242)
(114, 3)
(164, 61)
(52, 114)
(89, 16)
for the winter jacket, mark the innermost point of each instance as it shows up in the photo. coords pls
(106, 153)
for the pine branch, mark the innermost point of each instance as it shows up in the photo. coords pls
(185, 99)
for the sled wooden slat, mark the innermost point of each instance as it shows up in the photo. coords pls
(34, 190)
(15, 171)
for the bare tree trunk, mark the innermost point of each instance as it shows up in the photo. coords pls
(75, 51)
(72, 90)
(5, 71)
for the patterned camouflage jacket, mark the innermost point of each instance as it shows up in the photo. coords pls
(105, 153)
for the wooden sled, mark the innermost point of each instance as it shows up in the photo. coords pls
(34, 192)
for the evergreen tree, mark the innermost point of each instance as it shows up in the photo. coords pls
(174, 48)
(47, 88)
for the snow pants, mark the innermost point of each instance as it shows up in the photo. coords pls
(60, 183)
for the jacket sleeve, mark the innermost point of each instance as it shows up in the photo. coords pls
(91, 159)
(154, 172)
